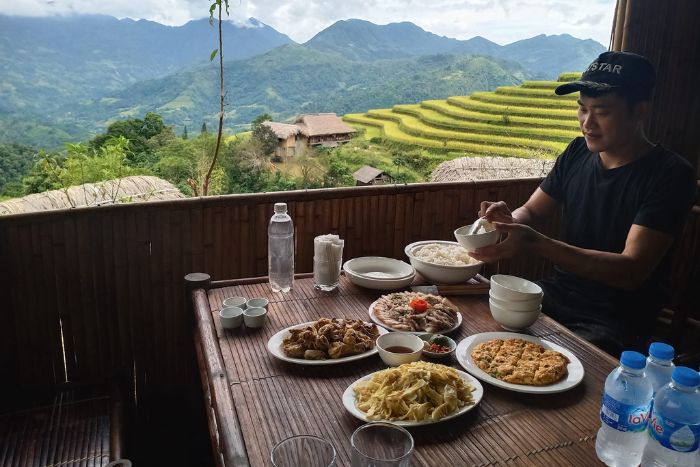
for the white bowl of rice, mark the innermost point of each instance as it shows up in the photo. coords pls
(442, 262)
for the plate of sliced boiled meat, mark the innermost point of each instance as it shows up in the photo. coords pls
(415, 312)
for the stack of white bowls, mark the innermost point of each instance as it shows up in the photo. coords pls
(515, 302)
(379, 273)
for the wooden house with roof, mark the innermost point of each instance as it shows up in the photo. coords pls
(310, 130)
(368, 175)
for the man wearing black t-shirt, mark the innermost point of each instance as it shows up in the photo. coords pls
(625, 202)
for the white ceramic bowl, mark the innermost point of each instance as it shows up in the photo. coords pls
(379, 268)
(231, 317)
(439, 273)
(379, 284)
(513, 320)
(452, 345)
(516, 305)
(474, 241)
(514, 288)
(399, 339)
(254, 317)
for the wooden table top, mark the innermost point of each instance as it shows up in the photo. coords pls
(268, 400)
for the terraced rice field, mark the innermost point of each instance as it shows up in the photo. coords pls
(514, 121)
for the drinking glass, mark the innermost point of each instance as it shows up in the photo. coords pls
(327, 274)
(303, 451)
(381, 444)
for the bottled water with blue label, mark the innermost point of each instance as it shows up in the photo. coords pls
(624, 413)
(659, 365)
(674, 425)
(280, 250)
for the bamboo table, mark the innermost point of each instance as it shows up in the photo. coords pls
(254, 400)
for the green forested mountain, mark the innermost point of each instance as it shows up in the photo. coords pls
(53, 62)
(65, 78)
(47, 62)
(544, 56)
(293, 79)
(361, 40)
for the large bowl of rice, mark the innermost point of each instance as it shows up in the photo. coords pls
(442, 262)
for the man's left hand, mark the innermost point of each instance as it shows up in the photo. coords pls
(519, 237)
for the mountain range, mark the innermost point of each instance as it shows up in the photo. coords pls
(72, 75)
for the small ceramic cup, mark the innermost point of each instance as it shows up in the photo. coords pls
(231, 317)
(254, 317)
(240, 302)
(258, 302)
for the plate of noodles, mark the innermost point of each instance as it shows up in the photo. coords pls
(413, 394)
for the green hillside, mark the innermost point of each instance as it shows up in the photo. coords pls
(514, 121)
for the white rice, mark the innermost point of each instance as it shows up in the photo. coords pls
(446, 255)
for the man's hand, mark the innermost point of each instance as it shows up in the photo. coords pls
(519, 237)
(496, 211)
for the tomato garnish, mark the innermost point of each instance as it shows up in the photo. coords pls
(419, 305)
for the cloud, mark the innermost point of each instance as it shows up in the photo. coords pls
(501, 21)
(590, 20)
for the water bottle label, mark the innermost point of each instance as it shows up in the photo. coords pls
(624, 417)
(673, 435)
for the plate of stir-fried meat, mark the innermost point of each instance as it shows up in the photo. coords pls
(327, 341)
(415, 312)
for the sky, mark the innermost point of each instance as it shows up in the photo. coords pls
(501, 21)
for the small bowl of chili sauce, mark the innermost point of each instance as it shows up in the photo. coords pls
(437, 345)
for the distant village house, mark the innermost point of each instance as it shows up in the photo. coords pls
(310, 130)
(367, 175)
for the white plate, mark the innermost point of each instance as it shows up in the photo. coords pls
(274, 345)
(349, 402)
(378, 321)
(464, 357)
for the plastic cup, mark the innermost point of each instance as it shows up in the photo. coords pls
(381, 444)
(303, 450)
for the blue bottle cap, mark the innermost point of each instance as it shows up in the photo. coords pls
(632, 359)
(685, 376)
(661, 351)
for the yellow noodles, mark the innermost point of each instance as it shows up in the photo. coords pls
(413, 391)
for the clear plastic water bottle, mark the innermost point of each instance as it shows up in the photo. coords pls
(280, 250)
(624, 413)
(659, 365)
(674, 425)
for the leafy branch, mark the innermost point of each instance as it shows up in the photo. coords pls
(216, 7)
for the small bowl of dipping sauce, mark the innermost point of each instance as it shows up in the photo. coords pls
(397, 348)
(437, 345)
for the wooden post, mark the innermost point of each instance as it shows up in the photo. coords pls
(223, 421)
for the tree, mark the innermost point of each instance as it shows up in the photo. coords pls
(261, 118)
(138, 132)
(337, 174)
(310, 170)
(185, 163)
(266, 136)
(82, 164)
(15, 163)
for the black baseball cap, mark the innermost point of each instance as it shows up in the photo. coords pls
(615, 70)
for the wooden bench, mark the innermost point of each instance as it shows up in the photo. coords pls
(69, 425)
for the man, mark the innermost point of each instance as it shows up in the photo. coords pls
(625, 201)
